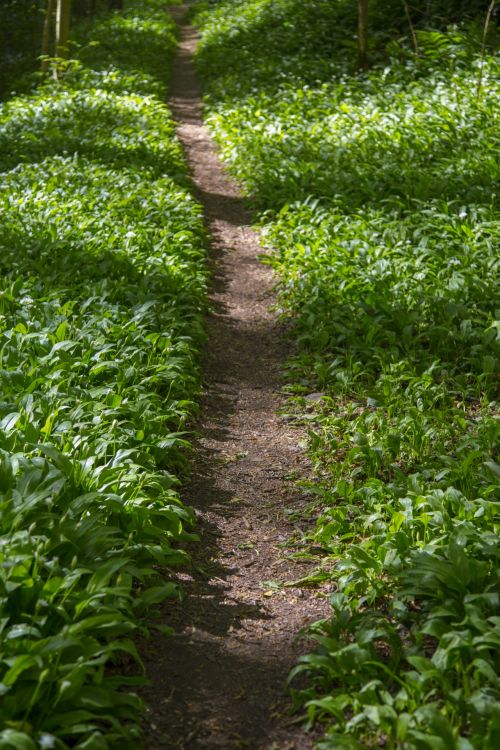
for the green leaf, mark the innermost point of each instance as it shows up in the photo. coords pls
(10, 739)
(18, 665)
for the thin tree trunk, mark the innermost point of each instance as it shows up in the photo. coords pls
(412, 28)
(489, 13)
(46, 37)
(62, 27)
(362, 34)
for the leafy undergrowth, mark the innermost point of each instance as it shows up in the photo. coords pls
(102, 289)
(379, 192)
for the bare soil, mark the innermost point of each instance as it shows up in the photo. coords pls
(219, 682)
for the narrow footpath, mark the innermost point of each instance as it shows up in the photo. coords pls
(219, 683)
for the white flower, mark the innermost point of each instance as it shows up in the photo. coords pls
(47, 741)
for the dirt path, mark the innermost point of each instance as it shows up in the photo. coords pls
(220, 684)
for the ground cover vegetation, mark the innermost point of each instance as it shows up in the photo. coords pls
(377, 192)
(102, 291)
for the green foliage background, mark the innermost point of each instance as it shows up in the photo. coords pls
(102, 291)
(378, 197)
(21, 23)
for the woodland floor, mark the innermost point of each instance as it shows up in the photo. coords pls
(220, 682)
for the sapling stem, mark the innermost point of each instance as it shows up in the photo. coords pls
(487, 22)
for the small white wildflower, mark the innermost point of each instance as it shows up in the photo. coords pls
(47, 741)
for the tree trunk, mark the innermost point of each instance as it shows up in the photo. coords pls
(62, 27)
(362, 34)
(489, 14)
(46, 37)
(412, 28)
